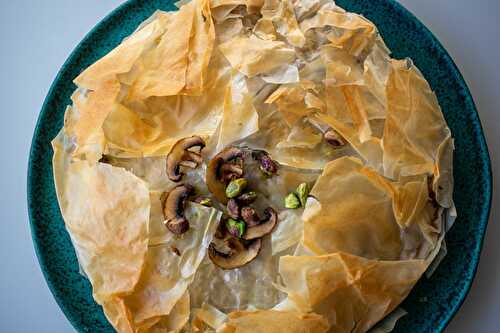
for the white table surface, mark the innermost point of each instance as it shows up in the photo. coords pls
(37, 36)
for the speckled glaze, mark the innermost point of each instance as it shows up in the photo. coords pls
(431, 304)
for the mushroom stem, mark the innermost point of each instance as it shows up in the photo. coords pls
(238, 256)
(189, 164)
(231, 168)
(192, 156)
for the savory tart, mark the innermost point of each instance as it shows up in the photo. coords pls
(254, 166)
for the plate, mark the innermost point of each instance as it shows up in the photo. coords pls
(430, 305)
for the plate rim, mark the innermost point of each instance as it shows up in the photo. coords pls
(32, 152)
(402, 10)
(482, 139)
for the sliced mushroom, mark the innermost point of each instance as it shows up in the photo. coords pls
(265, 226)
(217, 171)
(224, 246)
(233, 253)
(173, 209)
(179, 156)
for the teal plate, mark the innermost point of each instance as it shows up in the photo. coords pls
(431, 304)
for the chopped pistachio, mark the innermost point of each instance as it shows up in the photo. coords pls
(302, 193)
(236, 228)
(235, 187)
(233, 209)
(268, 166)
(203, 200)
(292, 201)
(206, 202)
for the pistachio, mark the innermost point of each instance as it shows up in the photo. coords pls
(233, 209)
(267, 165)
(204, 201)
(235, 228)
(250, 216)
(247, 198)
(292, 201)
(302, 192)
(235, 187)
(333, 138)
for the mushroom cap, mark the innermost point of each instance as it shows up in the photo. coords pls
(265, 227)
(180, 156)
(238, 256)
(216, 185)
(173, 209)
(230, 153)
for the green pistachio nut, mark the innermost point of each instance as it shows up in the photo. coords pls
(236, 228)
(206, 202)
(268, 166)
(292, 201)
(236, 187)
(302, 192)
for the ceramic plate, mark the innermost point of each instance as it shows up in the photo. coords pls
(431, 304)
